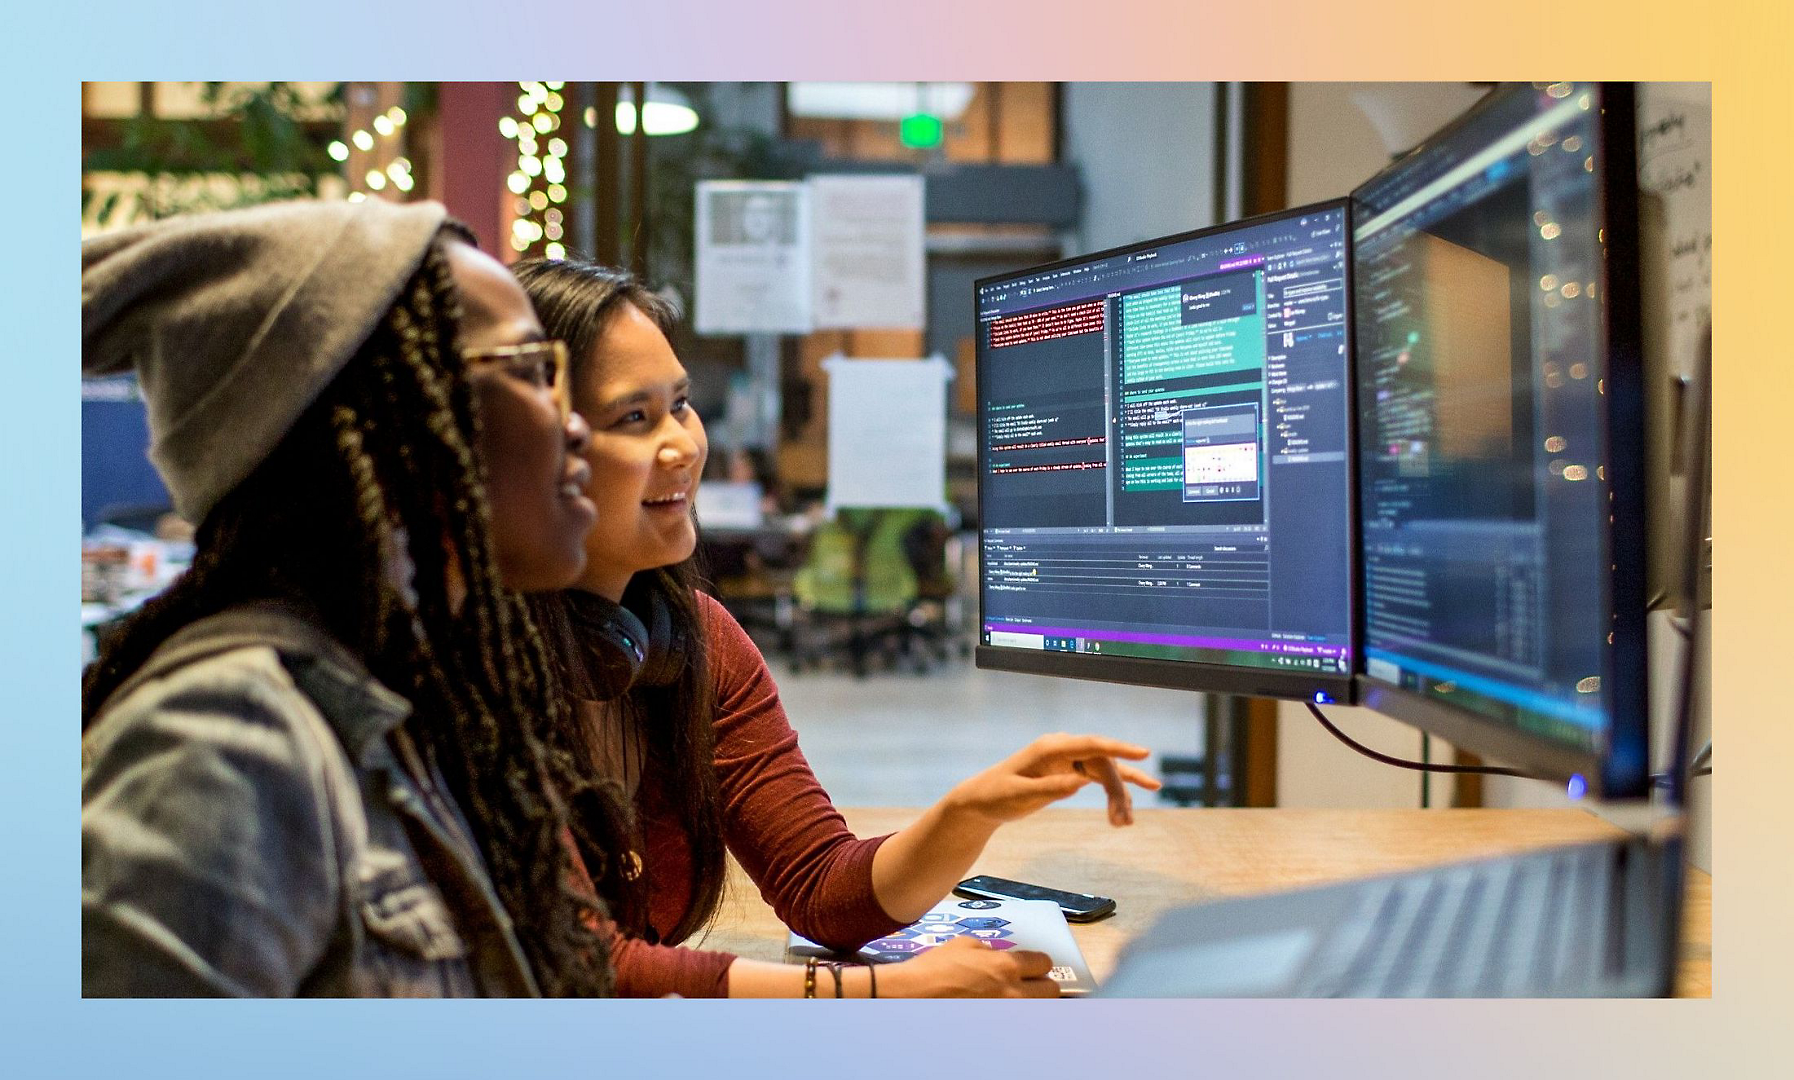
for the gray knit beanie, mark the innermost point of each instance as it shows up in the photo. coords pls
(236, 321)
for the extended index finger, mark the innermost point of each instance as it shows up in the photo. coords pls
(1103, 771)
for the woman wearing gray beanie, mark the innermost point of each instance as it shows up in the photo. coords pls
(324, 760)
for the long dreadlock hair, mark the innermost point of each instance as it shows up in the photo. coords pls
(379, 467)
(675, 724)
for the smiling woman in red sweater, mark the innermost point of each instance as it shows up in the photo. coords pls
(697, 759)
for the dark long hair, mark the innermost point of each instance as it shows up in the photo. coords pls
(388, 446)
(673, 724)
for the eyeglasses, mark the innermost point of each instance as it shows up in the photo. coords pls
(542, 364)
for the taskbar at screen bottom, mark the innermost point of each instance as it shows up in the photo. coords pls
(1291, 656)
(1246, 680)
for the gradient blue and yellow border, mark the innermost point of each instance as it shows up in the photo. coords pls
(1743, 48)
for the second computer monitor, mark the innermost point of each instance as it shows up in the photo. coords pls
(1165, 476)
(1501, 436)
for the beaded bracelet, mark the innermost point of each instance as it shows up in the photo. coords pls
(810, 977)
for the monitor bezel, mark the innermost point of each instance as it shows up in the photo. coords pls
(1619, 767)
(1338, 687)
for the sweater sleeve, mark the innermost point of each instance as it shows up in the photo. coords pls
(778, 822)
(645, 970)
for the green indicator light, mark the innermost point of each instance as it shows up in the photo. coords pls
(920, 131)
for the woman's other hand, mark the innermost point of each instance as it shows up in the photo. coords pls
(965, 968)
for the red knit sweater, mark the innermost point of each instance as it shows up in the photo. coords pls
(777, 821)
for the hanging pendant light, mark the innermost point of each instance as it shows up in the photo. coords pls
(668, 111)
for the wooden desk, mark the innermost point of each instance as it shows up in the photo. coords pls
(1169, 858)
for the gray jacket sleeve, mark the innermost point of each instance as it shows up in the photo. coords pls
(208, 857)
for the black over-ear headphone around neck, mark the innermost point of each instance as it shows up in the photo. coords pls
(628, 645)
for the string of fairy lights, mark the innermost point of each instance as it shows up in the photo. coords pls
(397, 172)
(539, 182)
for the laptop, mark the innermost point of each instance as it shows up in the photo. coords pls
(1584, 920)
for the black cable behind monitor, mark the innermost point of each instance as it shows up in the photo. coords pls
(1661, 779)
(1417, 766)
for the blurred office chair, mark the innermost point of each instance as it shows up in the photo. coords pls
(876, 584)
(936, 625)
(854, 590)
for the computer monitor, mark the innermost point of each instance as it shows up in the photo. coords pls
(1501, 436)
(1164, 466)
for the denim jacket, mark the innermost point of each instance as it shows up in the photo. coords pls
(247, 828)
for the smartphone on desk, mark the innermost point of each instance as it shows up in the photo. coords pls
(1077, 907)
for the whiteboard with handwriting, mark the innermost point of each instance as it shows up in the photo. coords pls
(1675, 177)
